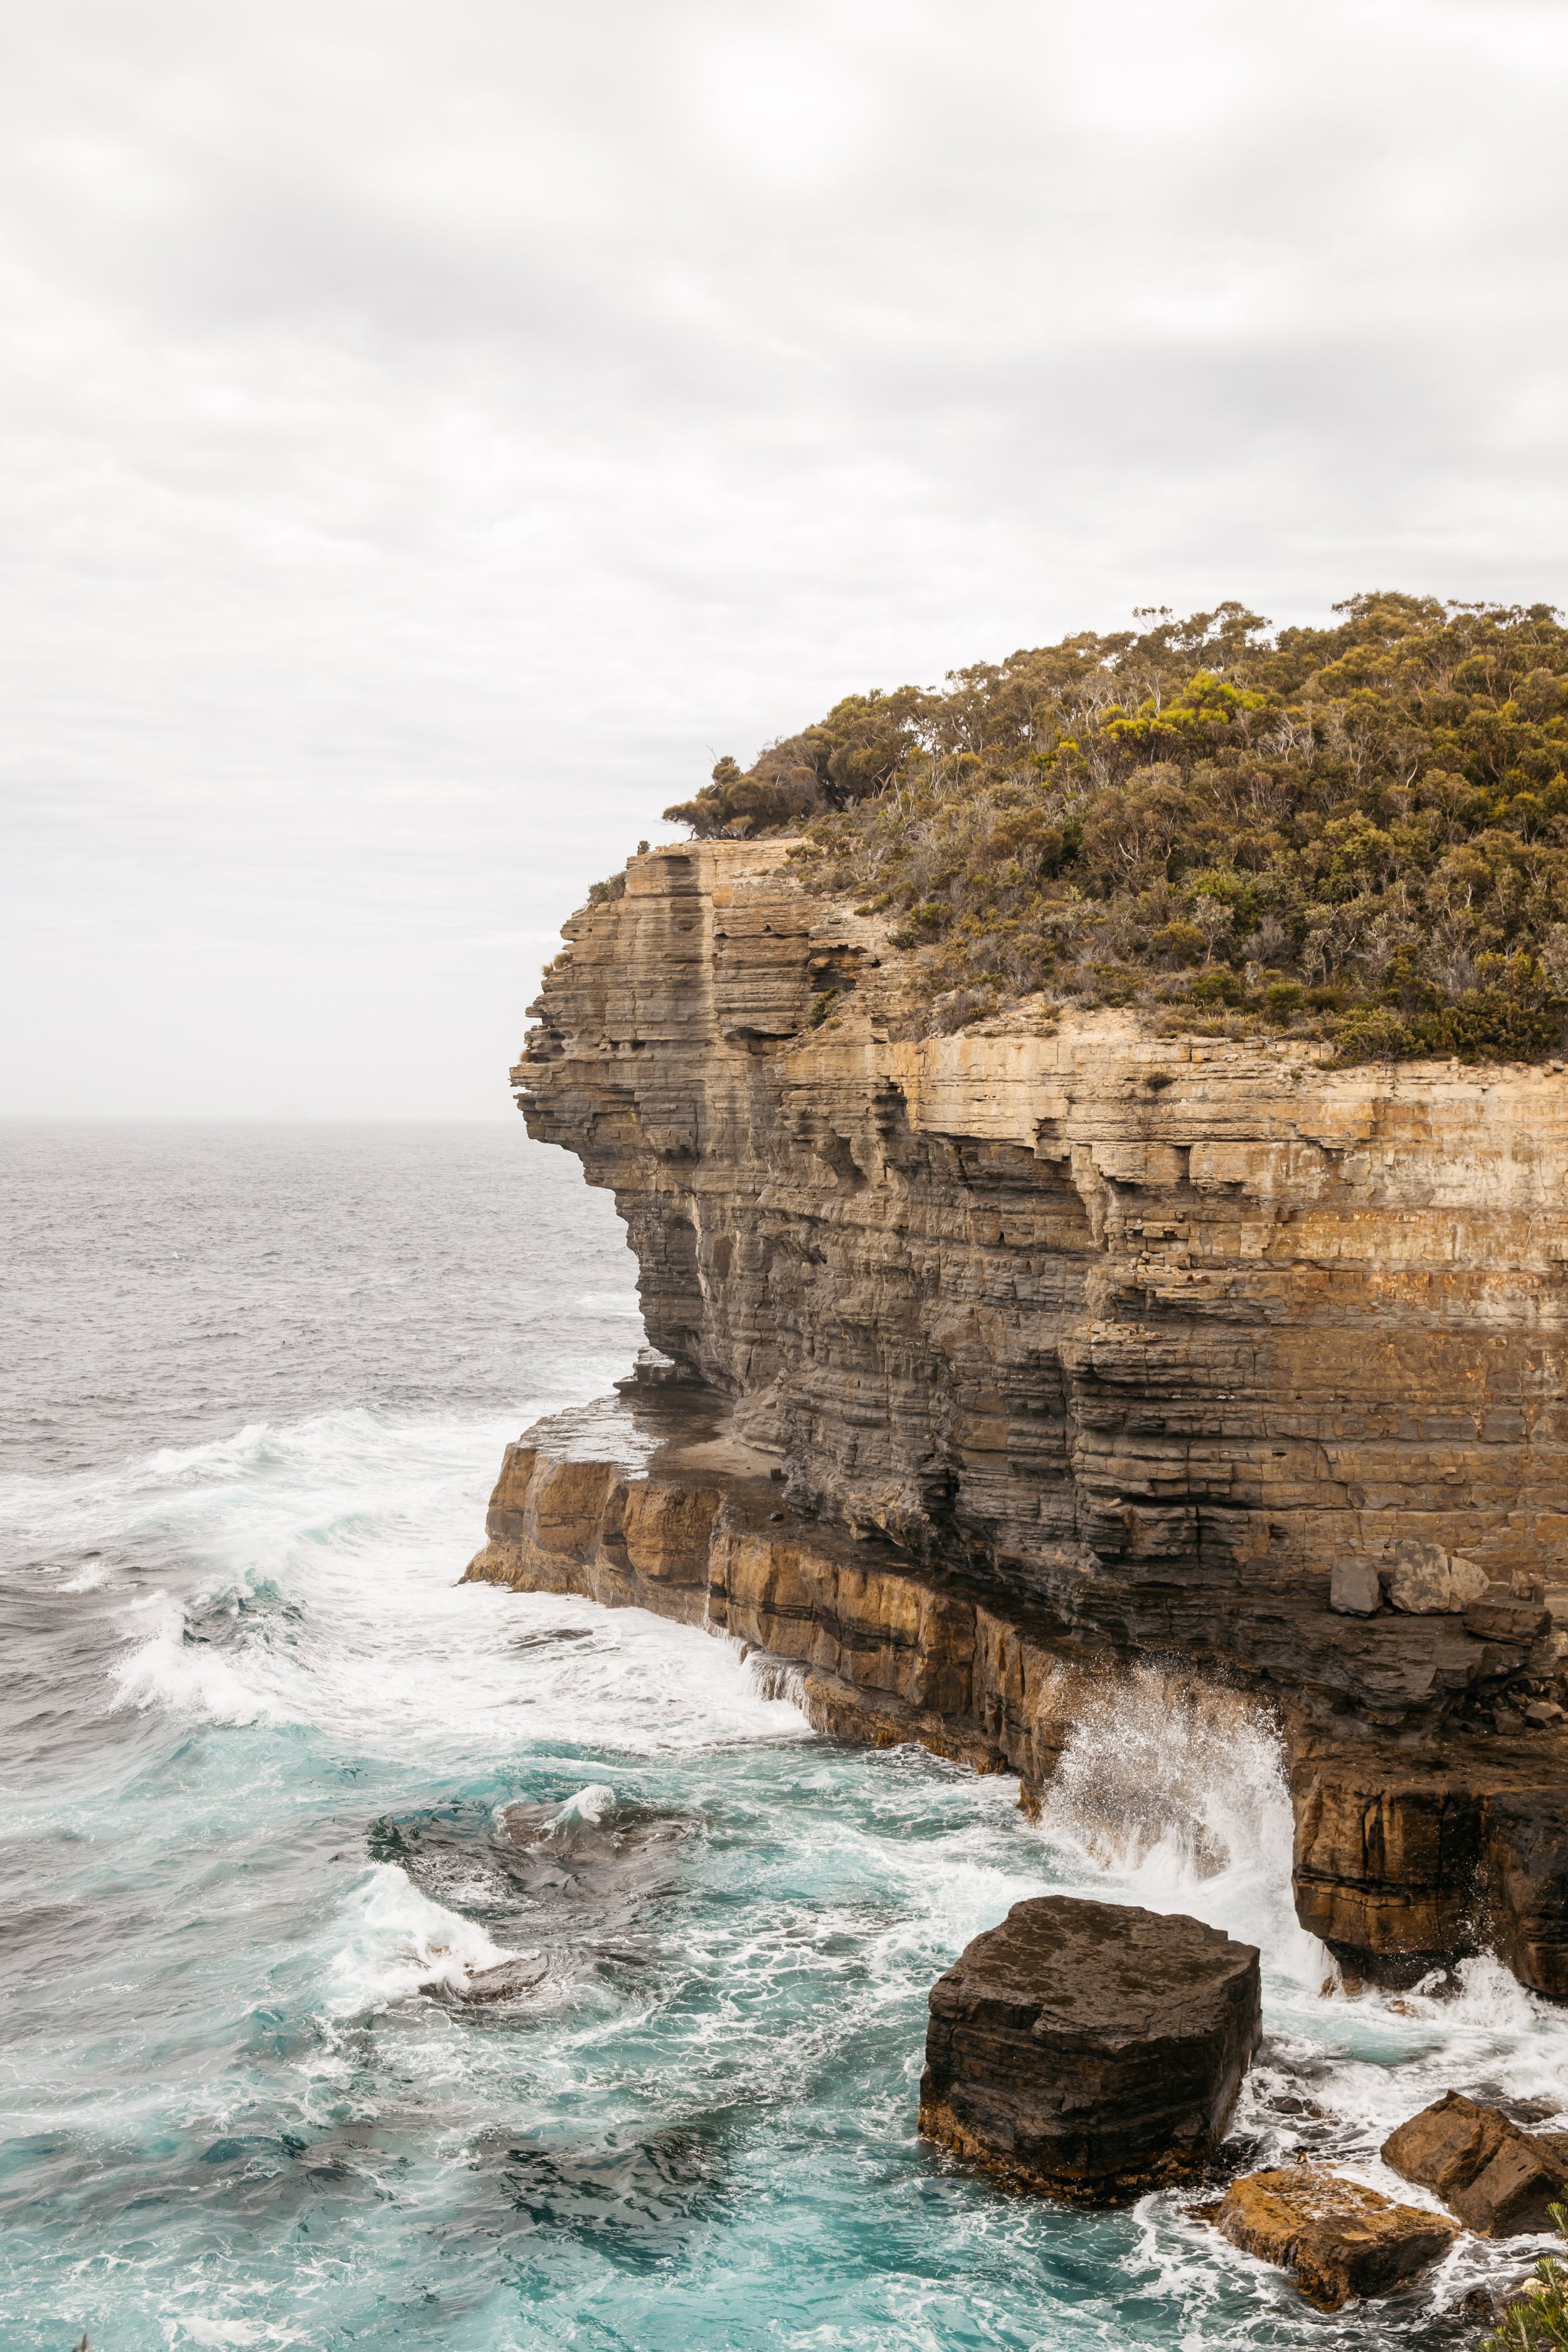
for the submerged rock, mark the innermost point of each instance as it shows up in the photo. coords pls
(505, 1981)
(1091, 2051)
(1497, 2177)
(1336, 2238)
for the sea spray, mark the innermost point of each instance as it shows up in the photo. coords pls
(775, 1678)
(1174, 1787)
(590, 1808)
(187, 1678)
(1161, 1762)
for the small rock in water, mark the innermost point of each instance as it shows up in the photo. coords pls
(1336, 2238)
(1534, 2111)
(1091, 2051)
(504, 1981)
(1290, 2103)
(1497, 2177)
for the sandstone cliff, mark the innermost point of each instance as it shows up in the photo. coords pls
(1075, 1346)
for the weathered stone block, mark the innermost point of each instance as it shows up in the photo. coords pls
(1354, 1588)
(1090, 2050)
(566, 1501)
(1427, 1581)
(509, 1499)
(1402, 1857)
(669, 1530)
(1498, 1617)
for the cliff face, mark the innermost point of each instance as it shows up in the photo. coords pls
(1152, 1343)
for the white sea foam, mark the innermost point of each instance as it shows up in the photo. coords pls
(590, 1808)
(237, 2332)
(400, 1942)
(196, 1681)
(770, 1678)
(88, 1578)
(328, 1551)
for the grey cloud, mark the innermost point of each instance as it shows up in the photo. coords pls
(434, 431)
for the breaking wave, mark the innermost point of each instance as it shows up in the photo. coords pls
(400, 1942)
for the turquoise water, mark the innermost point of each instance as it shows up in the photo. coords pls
(259, 1755)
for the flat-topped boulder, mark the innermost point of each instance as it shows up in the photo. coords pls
(1336, 2238)
(1090, 2051)
(1497, 2177)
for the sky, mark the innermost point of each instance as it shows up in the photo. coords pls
(435, 430)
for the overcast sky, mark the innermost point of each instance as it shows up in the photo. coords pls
(434, 429)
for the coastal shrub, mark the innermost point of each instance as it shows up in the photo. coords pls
(851, 755)
(1538, 2321)
(1357, 832)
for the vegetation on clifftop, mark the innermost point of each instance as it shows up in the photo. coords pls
(1359, 832)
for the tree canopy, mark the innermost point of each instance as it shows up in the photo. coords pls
(1358, 831)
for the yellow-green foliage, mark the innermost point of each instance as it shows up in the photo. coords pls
(1360, 831)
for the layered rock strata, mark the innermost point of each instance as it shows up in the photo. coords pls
(1143, 1346)
(1091, 2051)
(649, 1501)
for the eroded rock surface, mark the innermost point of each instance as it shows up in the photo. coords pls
(1337, 2238)
(1131, 1345)
(648, 1502)
(1092, 2051)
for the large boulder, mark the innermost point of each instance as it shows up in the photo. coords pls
(1427, 1581)
(1497, 2177)
(1336, 2238)
(1090, 2050)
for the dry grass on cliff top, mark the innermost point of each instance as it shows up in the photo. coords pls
(1358, 832)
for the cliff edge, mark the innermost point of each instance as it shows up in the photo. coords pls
(1136, 1347)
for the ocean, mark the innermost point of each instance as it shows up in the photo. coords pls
(257, 1741)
